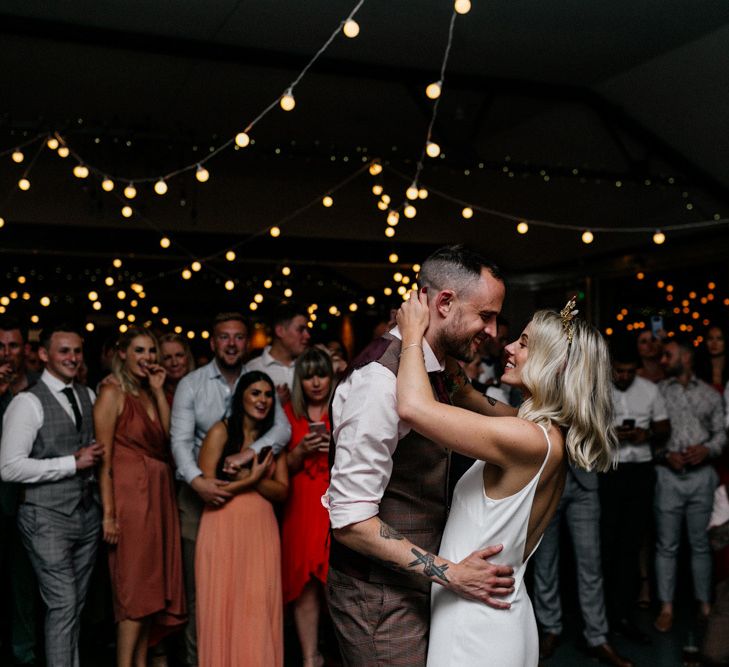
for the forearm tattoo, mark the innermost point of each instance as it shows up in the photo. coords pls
(430, 568)
(388, 532)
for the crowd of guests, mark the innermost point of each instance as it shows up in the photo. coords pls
(205, 486)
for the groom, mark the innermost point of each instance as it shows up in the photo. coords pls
(389, 485)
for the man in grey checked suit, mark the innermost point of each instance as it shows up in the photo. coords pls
(580, 505)
(47, 446)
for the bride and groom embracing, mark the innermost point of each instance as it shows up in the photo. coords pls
(416, 577)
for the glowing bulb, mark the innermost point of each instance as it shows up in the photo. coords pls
(121, 294)
(18, 156)
(462, 6)
(107, 185)
(258, 298)
(26, 296)
(2, 223)
(370, 301)
(267, 284)
(286, 270)
(24, 184)
(275, 232)
(432, 149)
(410, 211)
(375, 168)
(401, 290)
(130, 192)
(389, 232)
(108, 281)
(287, 100)
(120, 314)
(131, 317)
(123, 328)
(63, 151)
(5, 300)
(352, 307)
(205, 334)
(332, 310)
(191, 334)
(164, 242)
(81, 171)
(386, 199)
(230, 256)
(405, 280)
(387, 291)
(242, 139)
(90, 326)
(382, 205)
(288, 292)
(52, 143)
(202, 174)
(587, 237)
(127, 211)
(34, 319)
(659, 237)
(351, 28)
(186, 274)
(522, 227)
(154, 310)
(467, 213)
(160, 187)
(229, 285)
(433, 90)
(377, 189)
(327, 201)
(45, 301)
(96, 305)
(412, 192)
(422, 193)
(393, 217)
(393, 258)
(117, 263)
(196, 266)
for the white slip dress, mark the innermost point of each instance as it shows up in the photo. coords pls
(465, 633)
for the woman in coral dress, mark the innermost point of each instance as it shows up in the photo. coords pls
(305, 530)
(238, 556)
(140, 521)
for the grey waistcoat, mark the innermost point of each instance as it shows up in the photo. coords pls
(58, 437)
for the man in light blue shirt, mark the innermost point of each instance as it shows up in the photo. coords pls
(201, 399)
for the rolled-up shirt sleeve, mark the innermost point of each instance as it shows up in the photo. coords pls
(21, 423)
(182, 431)
(366, 431)
(278, 435)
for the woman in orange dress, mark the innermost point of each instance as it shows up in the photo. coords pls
(238, 553)
(140, 520)
(305, 530)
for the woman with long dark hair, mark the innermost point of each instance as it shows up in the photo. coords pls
(238, 557)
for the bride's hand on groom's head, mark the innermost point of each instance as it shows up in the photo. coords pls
(413, 316)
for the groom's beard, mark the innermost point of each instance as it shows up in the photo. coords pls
(456, 344)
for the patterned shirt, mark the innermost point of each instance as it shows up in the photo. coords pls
(696, 413)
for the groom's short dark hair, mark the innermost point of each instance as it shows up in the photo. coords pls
(455, 266)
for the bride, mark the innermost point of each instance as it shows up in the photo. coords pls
(509, 495)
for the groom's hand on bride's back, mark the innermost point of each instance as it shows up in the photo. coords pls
(475, 578)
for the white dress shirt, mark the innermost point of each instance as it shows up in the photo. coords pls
(21, 423)
(278, 372)
(643, 402)
(720, 511)
(201, 399)
(366, 429)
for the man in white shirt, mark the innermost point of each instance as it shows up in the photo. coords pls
(47, 445)
(626, 493)
(201, 399)
(389, 485)
(290, 337)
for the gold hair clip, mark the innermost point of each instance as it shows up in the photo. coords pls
(567, 315)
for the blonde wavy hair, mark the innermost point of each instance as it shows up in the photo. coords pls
(570, 385)
(128, 383)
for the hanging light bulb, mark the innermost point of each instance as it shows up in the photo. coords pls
(410, 211)
(81, 171)
(389, 232)
(130, 192)
(522, 227)
(160, 187)
(2, 223)
(467, 213)
(393, 259)
(286, 270)
(186, 274)
(327, 201)
(275, 232)
(432, 149)
(164, 242)
(24, 184)
(52, 143)
(386, 199)
(288, 292)
(117, 263)
(63, 151)
(287, 100)
(587, 237)
(230, 256)
(108, 281)
(202, 174)
(107, 184)
(45, 301)
(93, 296)
(375, 168)
(393, 217)
(422, 193)
(196, 266)
(350, 28)
(267, 284)
(412, 192)
(18, 156)
(89, 326)
(126, 211)
(377, 189)
(242, 139)
(462, 6)
(229, 285)
(382, 205)
(370, 301)
(659, 237)
(258, 298)
(433, 90)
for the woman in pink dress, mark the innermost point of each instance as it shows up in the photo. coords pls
(238, 556)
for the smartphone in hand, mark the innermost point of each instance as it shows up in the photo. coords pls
(320, 428)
